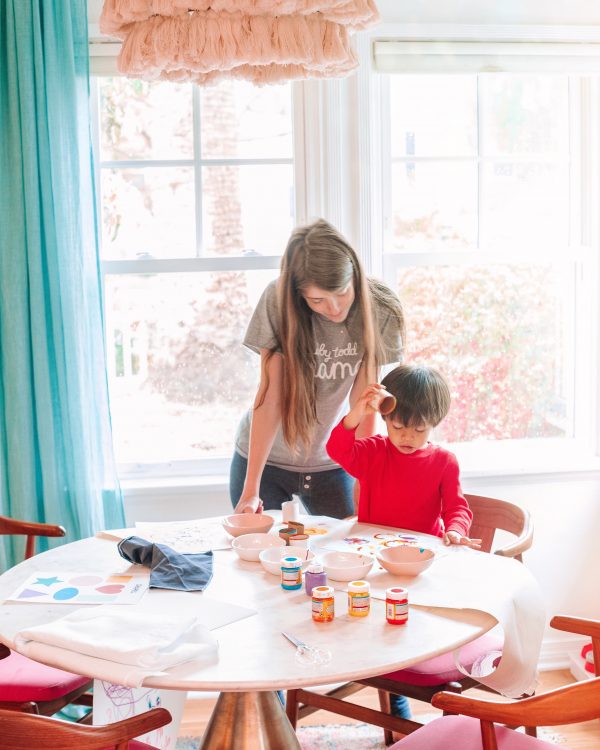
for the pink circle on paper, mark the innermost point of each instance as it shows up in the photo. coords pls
(113, 588)
(85, 580)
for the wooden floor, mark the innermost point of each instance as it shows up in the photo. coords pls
(576, 736)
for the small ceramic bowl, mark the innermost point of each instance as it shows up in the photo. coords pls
(248, 546)
(346, 566)
(406, 560)
(271, 558)
(247, 523)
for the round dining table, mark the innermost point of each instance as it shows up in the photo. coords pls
(254, 658)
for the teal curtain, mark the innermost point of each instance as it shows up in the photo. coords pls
(56, 462)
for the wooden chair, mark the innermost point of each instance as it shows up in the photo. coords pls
(476, 725)
(26, 685)
(24, 731)
(422, 681)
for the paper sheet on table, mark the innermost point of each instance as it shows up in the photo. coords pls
(80, 587)
(100, 647)
(461, 578)
(186, 537)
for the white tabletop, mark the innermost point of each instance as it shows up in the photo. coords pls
(253, 655)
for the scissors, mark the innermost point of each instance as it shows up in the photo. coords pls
(306, 654)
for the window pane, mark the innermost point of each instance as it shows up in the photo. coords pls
(433, 115)
(141, 120)
(524, 114)
(247, 208)
(148, 213)
(501, 335)
(179, 376)
(434, 206)
(525, 204)
(245, 121)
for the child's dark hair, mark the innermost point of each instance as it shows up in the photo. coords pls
(422, 395)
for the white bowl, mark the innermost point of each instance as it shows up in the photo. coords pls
(346, 566)
(406, 559)
(248, 546)
(271, 558)
(247, 523)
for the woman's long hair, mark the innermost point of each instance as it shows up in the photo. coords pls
(318, 255)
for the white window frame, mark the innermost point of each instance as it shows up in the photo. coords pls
(103, 56)
(338, 144)
(518, 457)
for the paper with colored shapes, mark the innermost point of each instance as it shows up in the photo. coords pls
(81, 588)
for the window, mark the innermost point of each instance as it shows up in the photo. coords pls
(485, 227)
(196, 201)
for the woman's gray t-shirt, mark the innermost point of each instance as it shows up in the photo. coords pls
(338, 352)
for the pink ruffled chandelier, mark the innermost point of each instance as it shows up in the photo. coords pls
(264, 41)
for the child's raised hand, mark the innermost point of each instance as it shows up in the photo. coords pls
(366, 404)
(454, 537)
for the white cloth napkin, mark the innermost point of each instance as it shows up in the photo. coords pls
(116, 646)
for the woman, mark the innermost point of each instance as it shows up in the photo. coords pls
(322, 331)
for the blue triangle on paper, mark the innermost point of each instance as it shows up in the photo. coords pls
(30, 593)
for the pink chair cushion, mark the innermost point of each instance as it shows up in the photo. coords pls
(135, 745)
(441, 669)
(22, 679)
(464, 733)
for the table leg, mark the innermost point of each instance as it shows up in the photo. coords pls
(248, 721)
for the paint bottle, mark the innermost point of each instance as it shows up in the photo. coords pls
(291, 573)
(359, 598)
(322, 604)
(396, 605)
(314, 576)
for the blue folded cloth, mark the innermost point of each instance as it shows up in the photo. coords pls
(169, 569)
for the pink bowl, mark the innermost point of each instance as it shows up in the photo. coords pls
(406, 559)
(247, 523)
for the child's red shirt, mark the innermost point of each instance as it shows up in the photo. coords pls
(419, 491)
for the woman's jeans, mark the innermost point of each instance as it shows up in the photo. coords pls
(323, 493)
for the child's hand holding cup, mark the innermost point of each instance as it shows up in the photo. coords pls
(383, 402)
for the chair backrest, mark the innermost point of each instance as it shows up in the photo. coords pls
(30, 530)
(491, 514)
(21, 731)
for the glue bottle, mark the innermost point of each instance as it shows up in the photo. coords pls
(314, 576)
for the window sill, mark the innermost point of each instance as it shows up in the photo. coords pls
(505, 461)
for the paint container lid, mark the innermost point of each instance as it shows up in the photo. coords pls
(359, 587)
(322, 592)
(315, 567)
(291, 562)
(396, 593)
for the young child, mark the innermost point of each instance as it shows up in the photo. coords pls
(405, 481)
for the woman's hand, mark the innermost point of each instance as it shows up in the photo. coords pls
(250, 504)
(454, 537)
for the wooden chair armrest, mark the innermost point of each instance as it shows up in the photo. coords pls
(522, 543)
(565, 705)
(578, 625)
(27, 731)
(27, 528)
(4, 651)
